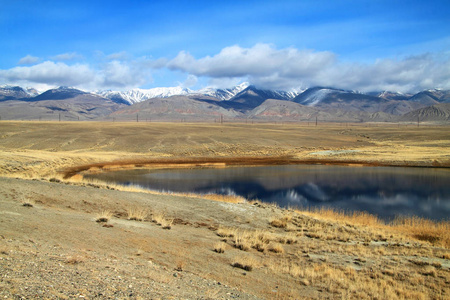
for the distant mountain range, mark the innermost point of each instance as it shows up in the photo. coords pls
(242, 102)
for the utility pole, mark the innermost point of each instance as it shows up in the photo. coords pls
(418, 121)
(59, 117)
(137, 117)
(316, 121)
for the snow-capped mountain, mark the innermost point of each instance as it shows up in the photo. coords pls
(316, 95)
(241, 101)
(223, 94)
(139, 95)
(251, 97)
(391, 95)
(8, 92)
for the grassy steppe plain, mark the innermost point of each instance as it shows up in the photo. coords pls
(54, 248)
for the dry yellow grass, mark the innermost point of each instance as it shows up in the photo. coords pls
(437, 233)
(104, 216)
(245, 262)
(226, 231)
(348, 283)
(281, 222)
(162, 220)
(242, 240)
(137, 214)
(260, 240)
(222, 198)
(356, 217)
(27, 202)
(220, 247)
(276, 248)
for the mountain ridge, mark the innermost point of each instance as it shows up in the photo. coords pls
(241, 102)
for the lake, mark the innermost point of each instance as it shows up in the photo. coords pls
(384, 191)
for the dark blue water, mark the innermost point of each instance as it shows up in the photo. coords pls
(384, 191)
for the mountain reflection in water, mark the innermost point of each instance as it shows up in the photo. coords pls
(384, 191)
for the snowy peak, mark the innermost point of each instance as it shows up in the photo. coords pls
(223, 94)
(392, 95)
(8, 92)
(314, 96)
(253, 91)
(139, 95)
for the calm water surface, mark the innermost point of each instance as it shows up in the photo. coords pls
(384, 191)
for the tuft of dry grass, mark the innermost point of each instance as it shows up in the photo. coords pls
(276, 248)
(242, 241)
(74, 259)
(281, 222)
(259, 240)
(220, 247)
(26, 201)
(160, 219)
(137, 214)
(180, 265)
(247, 263)
(356, 217)
(104, 216)
(226, 232)
(224, 198)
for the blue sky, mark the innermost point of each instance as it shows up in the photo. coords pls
(364, 45)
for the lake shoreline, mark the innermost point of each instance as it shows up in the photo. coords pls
(231, 162)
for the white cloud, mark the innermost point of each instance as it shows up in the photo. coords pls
(28, 60)
(118, 56)
(111, 75)
(67, 56)
(268, 67)
(122, 75)
(262, 65)
(49, 72)
(260, 60)
(190, 81)
(412, 73)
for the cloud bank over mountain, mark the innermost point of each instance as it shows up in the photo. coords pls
(262, 65)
